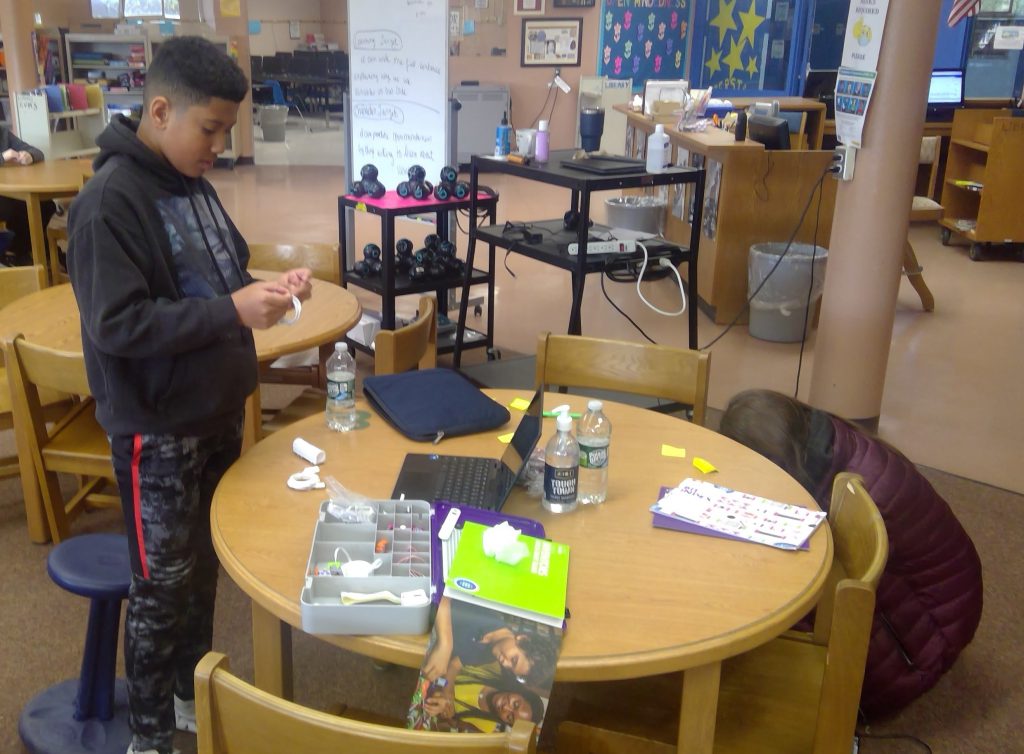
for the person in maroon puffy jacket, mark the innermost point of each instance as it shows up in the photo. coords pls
(929, 599)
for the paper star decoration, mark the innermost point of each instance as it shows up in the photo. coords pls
(750, 21)
(724, 21)
(714, 63)
(734, 60)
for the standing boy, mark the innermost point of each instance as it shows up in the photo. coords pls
(159, 271)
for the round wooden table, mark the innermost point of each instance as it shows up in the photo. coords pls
(643, 600)
(50, 317)
(38, 182)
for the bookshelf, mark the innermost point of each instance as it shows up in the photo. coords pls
(117, 62)
(60, 133)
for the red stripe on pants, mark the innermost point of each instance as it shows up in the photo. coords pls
(137, 504)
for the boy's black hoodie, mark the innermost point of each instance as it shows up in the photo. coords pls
(153, 258)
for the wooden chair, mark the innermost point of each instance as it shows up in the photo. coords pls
(307, 367)
(16, 282)
(924, 209)
(232, 716)
(76, 444)
(678, 374)
(411, 347)
(798, 693)
(57, 236)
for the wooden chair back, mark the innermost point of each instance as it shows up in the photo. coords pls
(320, 258)
(232, 716)
(678, 374)
(16, 282)
(411, 347)
(75, 444)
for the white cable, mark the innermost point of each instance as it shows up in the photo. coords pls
(640, 276)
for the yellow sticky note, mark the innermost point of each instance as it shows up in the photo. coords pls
(672, 451)
(360, 206)
(519, 404)
(506, 438)
(705, 467)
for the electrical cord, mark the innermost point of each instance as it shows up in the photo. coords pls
(640, 276)
(628, 318)
(778, 261)
(551, 89)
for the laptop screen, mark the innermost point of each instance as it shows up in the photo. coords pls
(523, 441)
(946, 87)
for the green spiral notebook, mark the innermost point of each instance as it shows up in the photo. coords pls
(533, 588)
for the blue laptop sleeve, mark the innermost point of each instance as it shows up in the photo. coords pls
(431, 404)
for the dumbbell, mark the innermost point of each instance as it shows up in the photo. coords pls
(371, 251)
(368, 172)
(404, 189)
(431, 241)
(443, 191)
(422, 190)
(374, 188)
(403, 254)
(449, 174)
(461, 190)
(417, 174)
(357, 189)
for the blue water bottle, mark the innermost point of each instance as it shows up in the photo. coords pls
(503, 137)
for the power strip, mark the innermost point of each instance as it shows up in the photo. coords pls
(604, 247)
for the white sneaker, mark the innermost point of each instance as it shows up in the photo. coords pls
(185, 714)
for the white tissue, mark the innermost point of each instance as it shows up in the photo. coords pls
(308, 451)
(502, 543)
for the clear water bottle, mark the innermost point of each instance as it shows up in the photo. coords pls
(341, 389)
(594, 433)
(561, 468)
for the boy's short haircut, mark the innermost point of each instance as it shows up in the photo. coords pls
(191, 71)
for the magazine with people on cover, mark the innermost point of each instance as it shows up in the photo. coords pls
(483, 670)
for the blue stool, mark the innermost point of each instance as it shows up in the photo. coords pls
(90, 713)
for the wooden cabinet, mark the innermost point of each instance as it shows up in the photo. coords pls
(984, 167)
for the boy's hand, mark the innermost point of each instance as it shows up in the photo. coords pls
(260, 305)
(10, 155)
(297, 282)
(24, 158)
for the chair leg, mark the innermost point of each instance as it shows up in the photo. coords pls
(914, 273)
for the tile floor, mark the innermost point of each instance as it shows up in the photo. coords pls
(954, 396)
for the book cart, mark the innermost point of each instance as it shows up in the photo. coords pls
(392, 283)
(983, 172)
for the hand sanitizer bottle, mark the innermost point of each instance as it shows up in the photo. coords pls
(657, 150)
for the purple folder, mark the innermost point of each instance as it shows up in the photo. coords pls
(664, 521)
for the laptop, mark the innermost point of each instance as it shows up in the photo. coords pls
(468, 480)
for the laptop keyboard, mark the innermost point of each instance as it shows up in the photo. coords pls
(466, 480)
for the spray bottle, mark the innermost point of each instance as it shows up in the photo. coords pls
(503, 137)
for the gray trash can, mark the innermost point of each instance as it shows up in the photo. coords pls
(272, 120)
(643, 213)
(779, 309)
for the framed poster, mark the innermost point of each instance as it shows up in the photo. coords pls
(551, 41)
(528, 7)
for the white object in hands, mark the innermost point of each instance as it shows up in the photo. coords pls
(502, 543)
(294, 316)
(308, 452)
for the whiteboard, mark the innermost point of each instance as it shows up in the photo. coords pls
(398, 74)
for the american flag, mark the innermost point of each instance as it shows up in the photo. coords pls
(961, 9)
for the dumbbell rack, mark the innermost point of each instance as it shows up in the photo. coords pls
(391, 283)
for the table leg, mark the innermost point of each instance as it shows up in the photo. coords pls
(36, 233)
(271, 653)
(699, 709)
(253, 421)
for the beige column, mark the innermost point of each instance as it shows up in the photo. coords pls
(869, 229)
(16, 20)
(236, 30)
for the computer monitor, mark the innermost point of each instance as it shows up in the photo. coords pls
(768, 130)
(946, 88)
(821, 85)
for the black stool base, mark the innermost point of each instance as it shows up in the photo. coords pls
(48, 726)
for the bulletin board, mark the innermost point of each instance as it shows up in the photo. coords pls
(641, 43)
(478, 27)
(398, 76)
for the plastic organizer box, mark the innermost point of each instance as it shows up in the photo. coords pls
(397, 533)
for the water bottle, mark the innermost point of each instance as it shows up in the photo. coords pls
(561, 468)
(594, 434)
(503, 137)
(657, 150)
(341, 389)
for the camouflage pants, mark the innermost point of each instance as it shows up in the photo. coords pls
(166, 485)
